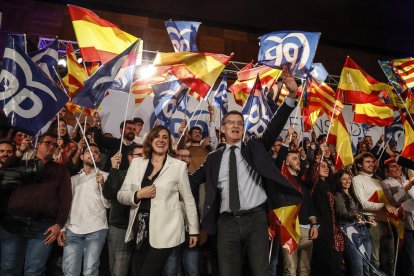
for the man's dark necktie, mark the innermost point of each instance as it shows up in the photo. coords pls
(233, 183)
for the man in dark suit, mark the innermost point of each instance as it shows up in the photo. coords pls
(240, 179)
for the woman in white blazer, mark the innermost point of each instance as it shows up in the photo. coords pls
(153, 187)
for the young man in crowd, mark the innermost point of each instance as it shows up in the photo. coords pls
(382, 238)
(37, 210)
(119, 251)
(84, 234)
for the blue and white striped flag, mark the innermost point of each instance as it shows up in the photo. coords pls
(47, 58)
(183, 35)
(28, 97)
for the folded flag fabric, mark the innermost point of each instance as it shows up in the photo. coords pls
(98, 39)
(405, 69)
(47, 59)
(375, 113)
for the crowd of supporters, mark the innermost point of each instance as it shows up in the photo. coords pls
(70, 206)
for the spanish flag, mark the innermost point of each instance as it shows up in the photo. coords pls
(98, 39)
(408, 150)
(379, 197)
(405, 69)
(284, 221)
(246, 78)
(356, 86)
(339, 137)
(375, 113)
(75, 77)
(197, 70)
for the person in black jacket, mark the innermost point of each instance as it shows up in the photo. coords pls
(239, 179)
(119, 251)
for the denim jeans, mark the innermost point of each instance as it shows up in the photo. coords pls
(24, 247)
(88, 246)
(274, 258)
(119, 252)
(189, 257)
(355, 262)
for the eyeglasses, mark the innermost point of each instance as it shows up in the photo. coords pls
(234, 122)
(6, 151)
(49, 144)
(186, 156)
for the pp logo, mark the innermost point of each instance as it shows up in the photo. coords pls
(14, 95)
(288, 49)
(177, 38)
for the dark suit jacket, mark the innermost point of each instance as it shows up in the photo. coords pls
(279, 191)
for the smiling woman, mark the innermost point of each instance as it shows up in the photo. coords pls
(153, 187)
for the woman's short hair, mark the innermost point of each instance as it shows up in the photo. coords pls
(152, 134)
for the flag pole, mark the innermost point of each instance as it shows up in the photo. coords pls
(87, 144)
(406, 107)
(139, 52)
(297, 111)
(329, 128)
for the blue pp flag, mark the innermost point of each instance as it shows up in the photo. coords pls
(183, 35)
(94, 89)
(20, 40)
(47, 59)
(28, 97)
(256, 111)
(167, 96)
(293, 49)
(220, 97)
(318, 72)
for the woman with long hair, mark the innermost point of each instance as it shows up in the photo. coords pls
(328, 247)
(67, 148)
(349, 214)
(153, 187)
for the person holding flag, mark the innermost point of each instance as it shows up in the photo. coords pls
(240, 178)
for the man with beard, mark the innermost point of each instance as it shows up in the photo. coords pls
(37, 209)
(111, 145)
(85, 231)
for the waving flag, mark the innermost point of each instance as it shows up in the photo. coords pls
(356, 86)
(256, 112)
(183, 35)
(339, 137)
(318, 72)
(167, 96)
(393, 78)
(220, 97)
(246, 79)
(197, 70)
(379, 197)
(293, 49)
(375, 113)
(405, 69)
(406, 117)
(28, 97)
(96, 86)
(325, 95)
(98, 39)
(76, 72)
(47, 59)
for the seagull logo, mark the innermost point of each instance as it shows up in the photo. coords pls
(177, 38)
(114, 71)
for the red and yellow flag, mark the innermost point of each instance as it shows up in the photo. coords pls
(405, 69)
(356, 86)
(339, 136)
(376, 113)
(197, 70)
(326, 97)
(246, 78)
(408, 150)
(98, 39)
(379, 197)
